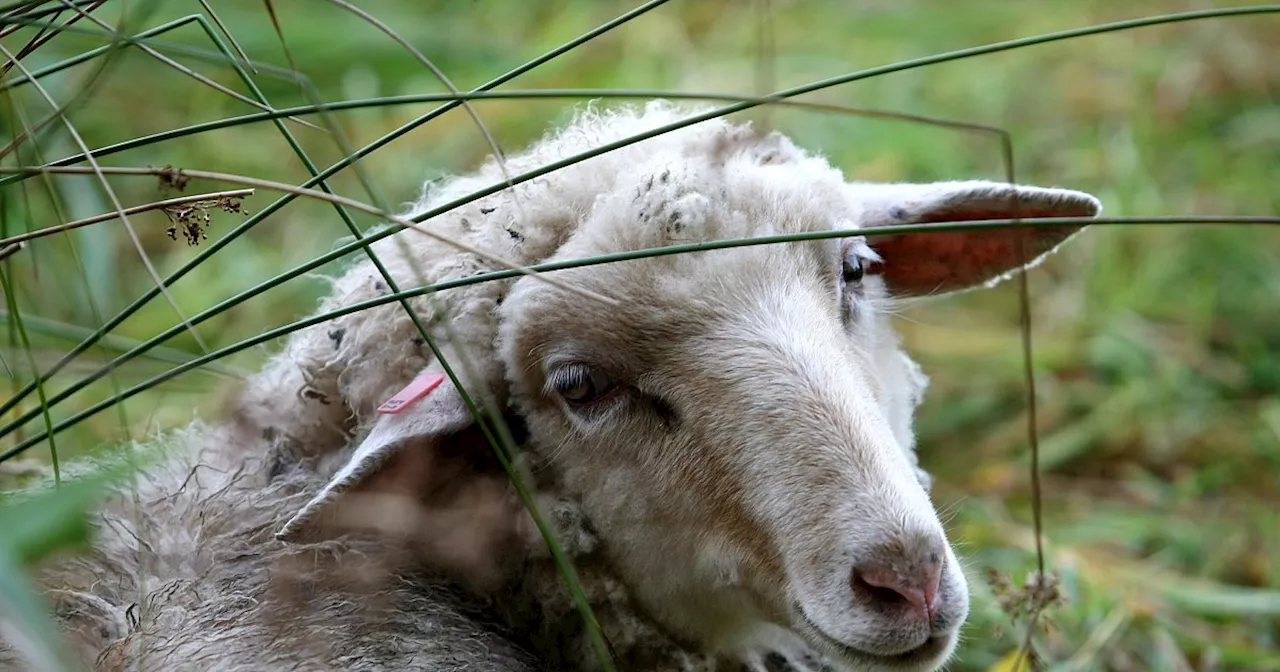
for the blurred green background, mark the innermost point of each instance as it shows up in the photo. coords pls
(1157, 348)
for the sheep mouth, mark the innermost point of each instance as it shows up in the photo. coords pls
(925, 656)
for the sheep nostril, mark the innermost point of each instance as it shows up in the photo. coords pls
(877, 593)
(884, 588)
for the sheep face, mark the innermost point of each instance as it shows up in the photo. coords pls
(738, 428)
(732, 442)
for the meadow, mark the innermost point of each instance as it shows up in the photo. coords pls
(1156, 347)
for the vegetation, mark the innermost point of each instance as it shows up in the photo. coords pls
(1157, 348)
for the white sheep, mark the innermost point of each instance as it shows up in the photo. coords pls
(727, 454)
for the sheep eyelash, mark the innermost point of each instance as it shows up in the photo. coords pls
(555, 378)
(856, 301)
(561, 373)
(860, 247)
(576, 372)
(857, 246)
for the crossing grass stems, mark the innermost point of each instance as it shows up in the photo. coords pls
(42, 21)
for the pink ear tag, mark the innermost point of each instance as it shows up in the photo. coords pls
(419, 388)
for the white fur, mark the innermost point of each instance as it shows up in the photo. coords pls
(759, 449)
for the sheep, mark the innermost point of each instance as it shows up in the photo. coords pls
(726, 453)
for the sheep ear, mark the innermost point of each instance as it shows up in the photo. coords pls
(937, 263)
(409, 458)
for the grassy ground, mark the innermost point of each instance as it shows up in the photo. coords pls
(1157, 348)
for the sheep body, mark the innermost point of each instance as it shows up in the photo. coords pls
(185, 574)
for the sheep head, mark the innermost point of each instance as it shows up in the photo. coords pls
(738, 428)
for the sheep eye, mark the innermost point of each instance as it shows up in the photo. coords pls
(852, 269)
(580, 384)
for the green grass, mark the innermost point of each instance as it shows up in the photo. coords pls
(1157, 348)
